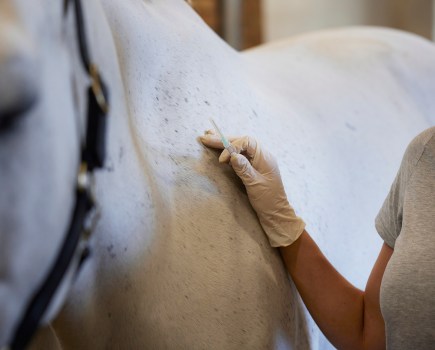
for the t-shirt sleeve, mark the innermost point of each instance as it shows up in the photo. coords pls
(389, 219)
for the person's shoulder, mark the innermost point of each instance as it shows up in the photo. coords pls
(422, 144)
(424, 138)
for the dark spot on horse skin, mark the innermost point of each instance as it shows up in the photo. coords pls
(157, 98)
(166, 120)
(176, 131)
(207, 103)
(109, 166)
(350, 126)
(121, 152)
(109, 315)
(186, 100)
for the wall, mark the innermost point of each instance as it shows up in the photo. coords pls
(237, 21)
(210, 11)
(283, 18)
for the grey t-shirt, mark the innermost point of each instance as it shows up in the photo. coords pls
(406, 222)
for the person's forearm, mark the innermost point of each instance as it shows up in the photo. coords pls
(350, 318)
(335, 304)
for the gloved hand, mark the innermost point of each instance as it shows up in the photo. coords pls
(260, 174)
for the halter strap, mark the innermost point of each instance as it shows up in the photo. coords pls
(92, 157)
(43, 296)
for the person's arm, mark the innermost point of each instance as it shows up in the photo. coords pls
(349, 317)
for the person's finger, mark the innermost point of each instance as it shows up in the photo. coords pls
(211, 140)
(246, 145)
(232, 138)
(225, 156)
(243, 168)
(212, 132)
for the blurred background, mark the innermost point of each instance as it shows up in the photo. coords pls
(247, 23)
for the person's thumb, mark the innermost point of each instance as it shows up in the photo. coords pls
(243, 169)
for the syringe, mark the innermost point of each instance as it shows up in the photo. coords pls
(228, 146)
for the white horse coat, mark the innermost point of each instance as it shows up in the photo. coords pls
(180, 260)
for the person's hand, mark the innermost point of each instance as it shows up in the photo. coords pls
(259, 171)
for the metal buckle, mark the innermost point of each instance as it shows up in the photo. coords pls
(97, 88)
(83, 178)
(91, 221)
(86, 183)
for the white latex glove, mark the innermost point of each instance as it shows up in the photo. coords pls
(260, 174)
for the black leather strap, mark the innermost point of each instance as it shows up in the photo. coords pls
(81, 33)
(94, 151)
(92, 157)
(40, 301)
